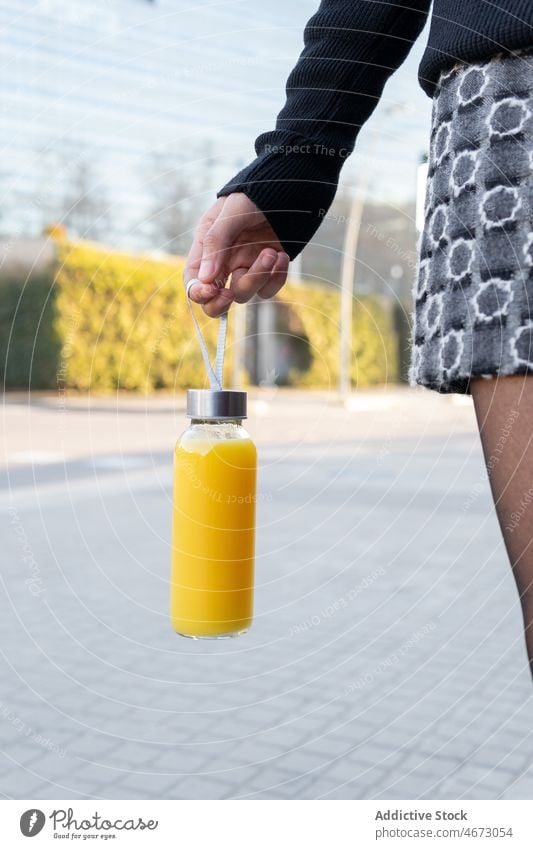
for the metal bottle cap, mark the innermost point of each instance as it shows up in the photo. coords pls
(216, 404)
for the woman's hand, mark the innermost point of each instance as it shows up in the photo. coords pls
(234, 238)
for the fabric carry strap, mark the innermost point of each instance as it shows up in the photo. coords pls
(214, 374)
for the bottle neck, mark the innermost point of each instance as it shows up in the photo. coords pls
(217, 422)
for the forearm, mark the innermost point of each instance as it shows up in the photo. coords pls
(351, 48)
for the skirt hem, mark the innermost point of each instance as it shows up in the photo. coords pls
(460, 384)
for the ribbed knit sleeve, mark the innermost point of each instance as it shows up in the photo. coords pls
(473, 32)
(351, 48)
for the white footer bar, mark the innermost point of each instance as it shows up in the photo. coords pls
(269, 824)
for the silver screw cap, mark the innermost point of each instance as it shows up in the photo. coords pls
(216, 404)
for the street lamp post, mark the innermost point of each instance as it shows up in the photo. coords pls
(351, 238)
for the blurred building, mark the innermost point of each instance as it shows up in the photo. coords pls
(114, 116)
(386, 249)
(122, 117)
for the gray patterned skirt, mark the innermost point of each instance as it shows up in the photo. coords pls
(474, 291)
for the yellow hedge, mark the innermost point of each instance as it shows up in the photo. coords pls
(111, 321)
(103, 320)
(125, 323)
(374, 340)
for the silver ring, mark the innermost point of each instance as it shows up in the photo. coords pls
(188, 285)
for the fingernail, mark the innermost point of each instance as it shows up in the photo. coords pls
(207, 269)
(269, 259)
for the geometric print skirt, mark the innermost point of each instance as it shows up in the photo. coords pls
(473, 314)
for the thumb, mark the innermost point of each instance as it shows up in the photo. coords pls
(220, 238)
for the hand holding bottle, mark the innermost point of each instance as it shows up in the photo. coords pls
(234, 238)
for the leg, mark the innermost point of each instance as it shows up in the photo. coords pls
(504, 410)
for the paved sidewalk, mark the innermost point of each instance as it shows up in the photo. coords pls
(386, 659)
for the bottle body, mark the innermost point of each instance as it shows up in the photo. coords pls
(213, 531)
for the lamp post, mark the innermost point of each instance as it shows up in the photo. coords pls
(351, 238)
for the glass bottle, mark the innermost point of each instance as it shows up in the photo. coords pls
(213, 526)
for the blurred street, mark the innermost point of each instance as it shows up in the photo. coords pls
(386, 658)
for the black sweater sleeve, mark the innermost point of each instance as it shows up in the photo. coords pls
(351, 48)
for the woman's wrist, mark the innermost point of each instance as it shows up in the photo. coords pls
(293, 182)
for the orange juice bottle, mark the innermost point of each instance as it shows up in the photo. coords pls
(213, 527)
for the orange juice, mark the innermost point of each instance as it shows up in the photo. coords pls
(213, 531)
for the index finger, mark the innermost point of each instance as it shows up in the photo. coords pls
(200, 293)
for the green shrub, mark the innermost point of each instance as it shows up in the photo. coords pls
(30, 347)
